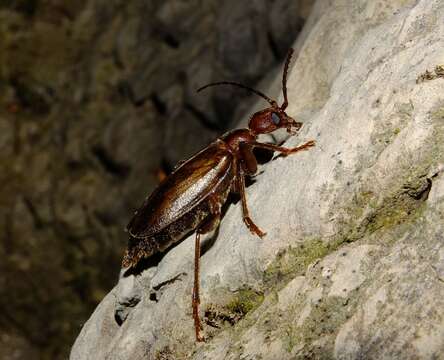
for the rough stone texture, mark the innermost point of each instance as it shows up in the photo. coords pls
(352, 266)
(355, 268)
(96, 98)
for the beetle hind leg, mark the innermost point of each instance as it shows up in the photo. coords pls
(210, 224)
(195, 299)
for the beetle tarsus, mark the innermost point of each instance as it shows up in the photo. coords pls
(305, 146)
(253, 227)
(246, 215)
(197, 324)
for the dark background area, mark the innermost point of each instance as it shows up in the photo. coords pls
(97, 103)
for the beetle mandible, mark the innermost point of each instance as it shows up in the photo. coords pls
(191, 197)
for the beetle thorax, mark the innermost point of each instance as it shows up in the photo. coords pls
(235, 137)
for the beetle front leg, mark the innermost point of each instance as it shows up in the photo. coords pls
(283, 150)
(246, 215)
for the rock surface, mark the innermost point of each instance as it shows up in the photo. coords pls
(352, 266)
(97, 100)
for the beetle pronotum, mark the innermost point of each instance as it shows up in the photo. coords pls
(191, 197)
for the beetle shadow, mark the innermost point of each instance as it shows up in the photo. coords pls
(153, 260)
(232, 199)
(263, 156)
(144, 264)
(209, 241)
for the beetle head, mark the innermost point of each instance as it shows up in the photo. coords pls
(273, 117)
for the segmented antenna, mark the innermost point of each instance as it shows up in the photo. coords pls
(262, 95)
(284, 79)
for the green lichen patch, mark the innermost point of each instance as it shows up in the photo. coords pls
(403, 199)
(294, 261)
(217, 317)
(438, 114)
(165, 354)
(243, 302)
(316, 336)
(386, 130)
(325, 318)
(402, 207)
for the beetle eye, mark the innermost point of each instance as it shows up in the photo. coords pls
(276, 119)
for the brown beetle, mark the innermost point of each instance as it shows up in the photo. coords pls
(191, 197)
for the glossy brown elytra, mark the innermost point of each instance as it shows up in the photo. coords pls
(191, 197)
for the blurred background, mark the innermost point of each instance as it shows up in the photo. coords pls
(97, 103)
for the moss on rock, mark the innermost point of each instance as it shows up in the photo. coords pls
(243, 302)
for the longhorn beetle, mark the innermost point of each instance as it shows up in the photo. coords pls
(191, 197)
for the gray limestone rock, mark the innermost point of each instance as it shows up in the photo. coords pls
(97, 102)
(352, 266)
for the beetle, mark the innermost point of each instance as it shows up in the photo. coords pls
(191, 197)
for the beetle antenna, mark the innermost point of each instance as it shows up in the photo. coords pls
(284, 79)
(272, 102)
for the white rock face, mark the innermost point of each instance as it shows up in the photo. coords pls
(352, 266)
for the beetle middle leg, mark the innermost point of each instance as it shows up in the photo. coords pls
(247, 166)
(210, 224)
(246, 215)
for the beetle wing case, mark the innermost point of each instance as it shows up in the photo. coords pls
(182, 190)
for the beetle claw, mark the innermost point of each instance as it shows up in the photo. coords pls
(259, 232)
(254, 228)
(305, 146)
